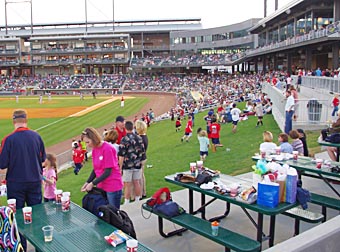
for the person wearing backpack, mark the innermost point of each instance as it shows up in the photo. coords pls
(106, 173)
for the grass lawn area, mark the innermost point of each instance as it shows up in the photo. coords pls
(168, 155)
(54, 130)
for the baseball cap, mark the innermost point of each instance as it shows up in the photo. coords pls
(120, 119)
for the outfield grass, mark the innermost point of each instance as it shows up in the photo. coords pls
(168, 155)
(55, 130)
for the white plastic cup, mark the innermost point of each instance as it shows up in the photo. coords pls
(319, 163)
(131, 245)
(193, 168)
(58, 195)
(278, 150)
(12, 203)
(295, 155)
(65, 203)
(27, 213)
(199, 165)
(48, 233)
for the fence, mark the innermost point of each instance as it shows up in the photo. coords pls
(311, 113)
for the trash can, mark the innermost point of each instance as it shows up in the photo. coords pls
(314, 110)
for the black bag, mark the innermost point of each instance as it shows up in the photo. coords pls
(203, 178)
(333, 138)
(117, 218)
(169, 209)
(93, 199)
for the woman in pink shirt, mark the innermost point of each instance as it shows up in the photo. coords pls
(106, 173)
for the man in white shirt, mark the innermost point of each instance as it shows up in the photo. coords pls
(289, 108)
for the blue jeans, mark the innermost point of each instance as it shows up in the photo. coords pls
(335, 109)
(289, 121)
(114, 198)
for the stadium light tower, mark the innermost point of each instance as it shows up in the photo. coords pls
(16, 2)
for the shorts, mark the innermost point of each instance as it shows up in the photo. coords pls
(215, 140)
(260, 117)
(188, 134)
(131, 174)
(202, 153)
(235, 122)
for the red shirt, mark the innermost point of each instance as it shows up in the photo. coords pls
(335, 102)
(78, 156)
(121, 134)
(188, 127)
(215, 130)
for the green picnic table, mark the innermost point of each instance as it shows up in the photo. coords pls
(76, 230)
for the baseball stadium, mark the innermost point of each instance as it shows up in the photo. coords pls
(173, 74)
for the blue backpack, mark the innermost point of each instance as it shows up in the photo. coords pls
(94, 199)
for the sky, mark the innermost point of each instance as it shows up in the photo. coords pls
(214, 13)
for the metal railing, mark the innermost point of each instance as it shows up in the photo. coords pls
(311, 113)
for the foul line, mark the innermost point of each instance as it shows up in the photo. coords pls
(80, 113)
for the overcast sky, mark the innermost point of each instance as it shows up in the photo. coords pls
(213, 13)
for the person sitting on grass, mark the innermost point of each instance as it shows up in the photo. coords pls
(284, 145)
(203, 139)
(297, 143)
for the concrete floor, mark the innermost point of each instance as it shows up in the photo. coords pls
(146, 226)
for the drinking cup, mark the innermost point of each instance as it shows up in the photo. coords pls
(48, 233)
(58, 195)
(318, 163)
(278, 150)
(27, 212)
(199, 166)
(65, 204)
(12, 203)
(295, 155)
(131, 245)
(193, 168)
(214, 228)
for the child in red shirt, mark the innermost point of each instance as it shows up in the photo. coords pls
(188, 130)
(178, 124)
(78, 158)
(215, 132)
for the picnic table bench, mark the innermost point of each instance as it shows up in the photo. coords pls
(228, 239)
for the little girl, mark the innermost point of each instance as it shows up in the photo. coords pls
(204, 143)
(50, 177)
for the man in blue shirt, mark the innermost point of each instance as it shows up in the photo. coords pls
(22, 152)
(318, 72)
